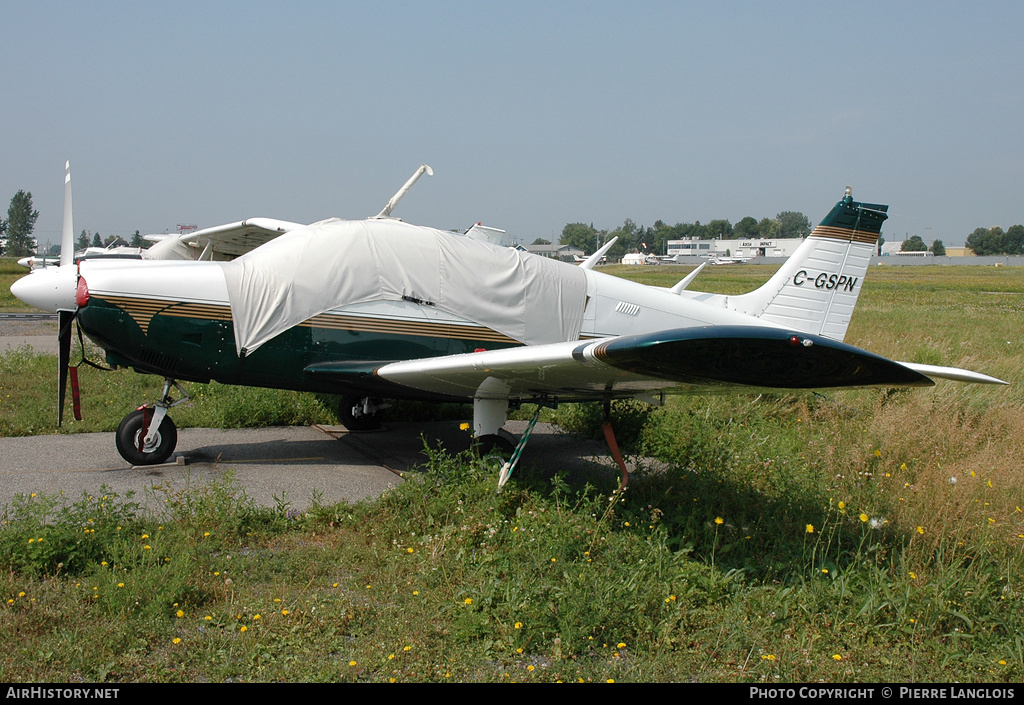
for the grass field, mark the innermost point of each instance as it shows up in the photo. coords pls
(863, 536)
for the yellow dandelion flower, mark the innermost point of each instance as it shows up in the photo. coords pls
(913, 575)
(837, 657)
(409, 550)
(768, 657)
(463, 426)
(208, 618)
(120, 585)
(842, 505)
(529, 668)
(878, 453)
(810, 528)
(284, 612)
(407, 648)
(351, 663)
(864, 517)
(415, 592)
(468, 601)
(255, 617)
(920, 529)
(175, 640)
(243, 628)
(621, 645)
(519, 625)
(719, 520)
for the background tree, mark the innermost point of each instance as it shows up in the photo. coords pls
(768, 228)
(746, 228)
(986, 241)
(793, 224)
(721, 229)
(96, 240)
(3, 232)
(938, 249)
(1013, 240)
(581, 236)
(914, 244)
(21, 221)
(538, 241)
(83, 241)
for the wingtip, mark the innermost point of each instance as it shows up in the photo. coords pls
(953, 373)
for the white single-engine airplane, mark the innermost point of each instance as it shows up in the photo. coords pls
(377, 308)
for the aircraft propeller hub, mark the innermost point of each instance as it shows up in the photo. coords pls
(52, 289)
(81, 293)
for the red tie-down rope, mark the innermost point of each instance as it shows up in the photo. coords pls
(609, 436)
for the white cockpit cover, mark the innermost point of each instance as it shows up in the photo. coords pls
(335, 263)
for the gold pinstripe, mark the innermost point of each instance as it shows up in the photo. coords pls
(143, 310)
(831, 232)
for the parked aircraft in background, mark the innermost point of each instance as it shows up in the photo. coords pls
(376, 309)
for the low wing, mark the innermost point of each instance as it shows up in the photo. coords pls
(686, 360)
(221, 242)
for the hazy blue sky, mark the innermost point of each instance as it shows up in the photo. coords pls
(531, 114)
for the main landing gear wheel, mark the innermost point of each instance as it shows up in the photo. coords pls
(130, 435)
(360, 413)
(501, 443)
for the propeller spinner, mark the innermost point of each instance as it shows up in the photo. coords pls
(58, 290)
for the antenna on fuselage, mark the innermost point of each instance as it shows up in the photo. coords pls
(386, 211)
(596, 257)
(685, 281)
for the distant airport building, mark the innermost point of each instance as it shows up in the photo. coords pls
(742, 249)
(892, 249)
(566, 253)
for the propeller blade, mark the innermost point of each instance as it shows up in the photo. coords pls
(67, 240)
(65, 318)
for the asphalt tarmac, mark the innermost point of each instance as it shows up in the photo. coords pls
(273, 466)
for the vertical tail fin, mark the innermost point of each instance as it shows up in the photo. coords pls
(816, 290)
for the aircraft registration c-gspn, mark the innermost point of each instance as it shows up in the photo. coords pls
(379, 309)
(824, 280)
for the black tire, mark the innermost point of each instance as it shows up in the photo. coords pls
(362, 422)
(501, 443)
(127, 440)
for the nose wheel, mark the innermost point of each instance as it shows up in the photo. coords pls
(132, 435)
(147, 436)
